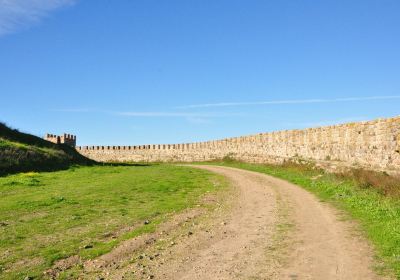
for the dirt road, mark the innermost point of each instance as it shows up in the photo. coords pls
(274, 230)
(317, 243)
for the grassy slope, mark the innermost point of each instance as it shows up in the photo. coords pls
(378, 215)
(25, 152)
(48, 216)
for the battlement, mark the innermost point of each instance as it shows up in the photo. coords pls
(371, 144)
(67, 139)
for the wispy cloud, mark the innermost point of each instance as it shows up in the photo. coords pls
(291, 101)
(155, 114)
(74, 110)
(20, 14)
(195, 118)
(171, 114)
(324, 122)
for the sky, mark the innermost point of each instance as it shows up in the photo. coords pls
(131, 72)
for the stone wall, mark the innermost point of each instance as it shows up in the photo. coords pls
(68, 139)
(373, 145)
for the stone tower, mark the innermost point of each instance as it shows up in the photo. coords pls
(67, 139)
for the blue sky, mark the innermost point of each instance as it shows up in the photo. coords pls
(135, 72)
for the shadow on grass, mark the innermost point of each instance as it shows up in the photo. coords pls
(52, 167)
(125, 164)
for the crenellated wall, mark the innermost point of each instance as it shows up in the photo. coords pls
(373, 144)
(68, 139)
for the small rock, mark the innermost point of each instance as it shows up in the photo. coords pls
(150, 277)
(150, 241)
(28, 278)
(190, 233)
(172, 243)
(146, 222)
(88, 246)
(107, 234)
(316, 177)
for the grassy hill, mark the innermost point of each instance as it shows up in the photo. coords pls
(25, 152)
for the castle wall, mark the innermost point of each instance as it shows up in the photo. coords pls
(68, 139)
(373, 144)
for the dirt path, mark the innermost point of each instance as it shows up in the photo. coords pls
(274, 230)
(319, 246)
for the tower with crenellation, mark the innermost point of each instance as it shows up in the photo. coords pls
(67, 139)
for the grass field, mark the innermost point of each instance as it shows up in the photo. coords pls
(22, 152)
(45, 217)
(378, 214)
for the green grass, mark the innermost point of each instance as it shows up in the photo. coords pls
(22, 152)
(17, 156)
(45, 217)
(378, 215)
(4, 143)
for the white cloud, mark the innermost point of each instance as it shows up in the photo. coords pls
(325, 122)
(197, 120)
(293, 101)
(194, 118)
(19, 14)
(73, 110)
(172, 114)
(157, 114)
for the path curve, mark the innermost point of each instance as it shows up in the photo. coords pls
(321, 245)
(272, 230)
